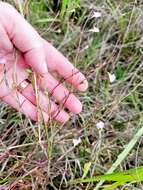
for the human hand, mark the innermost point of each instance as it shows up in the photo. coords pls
(43, 58)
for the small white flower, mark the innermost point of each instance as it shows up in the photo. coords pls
(94, 30)
(84, 48)
(76, 142)
(100, 125)
(112, 77)
(96, 14)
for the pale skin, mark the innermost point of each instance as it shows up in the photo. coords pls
(43, 59)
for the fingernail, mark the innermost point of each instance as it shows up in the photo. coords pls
(83, 86)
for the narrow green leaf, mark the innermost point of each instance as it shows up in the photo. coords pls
(131, 175)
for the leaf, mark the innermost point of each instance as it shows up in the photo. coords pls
(64, 7)
(132, 175)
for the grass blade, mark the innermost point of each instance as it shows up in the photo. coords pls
(118, 178)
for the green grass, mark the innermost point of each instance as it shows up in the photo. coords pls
(27, 162)
(118, 178)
